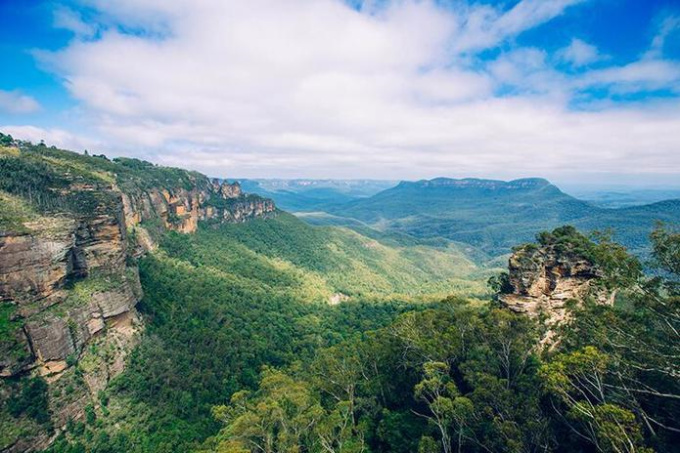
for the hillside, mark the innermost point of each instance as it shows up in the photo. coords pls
(72, 229)
(219, 305)
(351, 266)
(555, 366)
(495, 215)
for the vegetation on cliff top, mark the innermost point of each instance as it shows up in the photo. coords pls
(53, 181)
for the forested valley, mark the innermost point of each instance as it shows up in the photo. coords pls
(235, 363)
(147, 309)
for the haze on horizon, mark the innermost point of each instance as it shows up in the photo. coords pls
(581, 92)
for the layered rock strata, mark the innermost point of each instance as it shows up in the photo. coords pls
(545, 283)
(67, 276)
(182, 209)
(69, 283)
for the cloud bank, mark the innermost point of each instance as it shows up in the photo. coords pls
(300, 88)
(14, 102)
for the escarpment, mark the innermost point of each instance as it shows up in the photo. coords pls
(47, 277)
(71, 230)
(544, 281)
(181, 209)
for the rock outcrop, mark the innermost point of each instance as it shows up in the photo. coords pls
(67, 275)
(181, 209)
(65, 278)
(66, 282)
(544, 282)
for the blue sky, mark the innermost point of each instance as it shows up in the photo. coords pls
(573, 90)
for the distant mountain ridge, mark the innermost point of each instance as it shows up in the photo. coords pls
(495, 215)
(478, 183)
(489, 214)
(351, 187)
(314, 194)
(624, 197)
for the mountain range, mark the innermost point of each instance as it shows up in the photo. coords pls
(314, 194)
(491, 215)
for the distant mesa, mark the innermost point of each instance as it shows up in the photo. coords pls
(476, 183)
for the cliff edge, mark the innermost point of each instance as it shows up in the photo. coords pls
(71, 230)
(544, 280)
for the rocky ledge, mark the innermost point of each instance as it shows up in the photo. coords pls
(543, 282)
(181, 209)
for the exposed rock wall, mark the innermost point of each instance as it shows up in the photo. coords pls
(181, 209)
(544, 283)
(39, 273)
(70, 283)
(68, 276)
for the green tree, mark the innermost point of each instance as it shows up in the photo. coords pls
(579, 379)
(438, 392)
(279, 418)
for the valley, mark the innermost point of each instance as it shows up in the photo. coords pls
(152, 309)
(340, 226)
(106, 262)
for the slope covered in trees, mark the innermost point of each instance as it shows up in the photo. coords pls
(242, 352)
(452, 378)
(276, 336)
(223, 302)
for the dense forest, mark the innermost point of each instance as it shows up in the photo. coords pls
(280, 376)
(217, 312)
(456, 378)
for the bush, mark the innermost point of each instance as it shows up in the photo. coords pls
(32, 401)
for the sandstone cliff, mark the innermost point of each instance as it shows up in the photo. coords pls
(69, 284)
(544, 281)
(181, 209)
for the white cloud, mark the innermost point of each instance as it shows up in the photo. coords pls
(53, 136)
(300, 88)
(70, 20)
(482, 26)
(637, 76)
(579, 53)
(14, 102)
(649, 73)
(529, 13)
(670, 26)
(528, 71)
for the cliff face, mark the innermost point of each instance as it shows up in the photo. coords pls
(544, 281)
(40, 273)
(182, 209)
(69, 281)
(40, 269)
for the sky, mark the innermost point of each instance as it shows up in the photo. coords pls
(577, 91)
